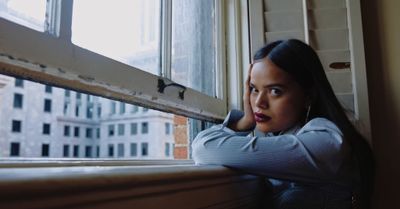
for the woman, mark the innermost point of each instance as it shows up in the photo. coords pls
(306, 146)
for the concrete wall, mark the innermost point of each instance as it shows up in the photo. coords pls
(382, 46)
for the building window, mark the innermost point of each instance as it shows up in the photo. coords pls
(111, 130)
(66, 150)
(46, 129)
(16, 126)
(167, 149)
(89, 133)
(77, 108)
(145, 109)
(145, 128)
(76, 131)
(99, 111)
(121, 129)
(78, 96)
(97, 151)
(121, 108)
(88, 151)
(76, 151)
(47, 105)
(133, 128)
(66, 107)
(19, 83)
(48, 89)
(121, 150)
(89, 111)
(67, 93)
(145, 147)
(134, 109)
(14, 149)
(66, 130)
(110, 150)
(113, 108)
(98, 133)
(45, 150)
(18, 101)
(167, 128)
(133, 149)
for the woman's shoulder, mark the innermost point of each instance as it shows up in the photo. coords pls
(320, 124)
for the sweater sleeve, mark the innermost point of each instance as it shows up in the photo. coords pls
(314, 153)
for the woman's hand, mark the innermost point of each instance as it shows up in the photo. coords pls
(247, 122)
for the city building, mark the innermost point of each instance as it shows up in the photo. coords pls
(39, 120)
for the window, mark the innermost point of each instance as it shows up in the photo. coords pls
(113, 107)
(45, 150)
(134, 109)
(121, 150)
(167, 149)
(48, 89)
(133, 149)
(89, 111)
(98, 133)
(67, 93)
(19, 82)
(167, 128)
(16, 126)
(88, 151)
(110, 150)
(18, 101)
(145, 128)
(77, 108)
(121, 129)
(76, 131)
(32, 15)
(99, 110)
(66, 130)
(145, 147)
(14, 149)
(66, 150)
(78, 96)
(47, 105)
(46, 129)
(133, 128)
(145, 109)
(89, 133)
(121, 108)
(97, 151)
(111, 130)
(66, 108)
(76, 151)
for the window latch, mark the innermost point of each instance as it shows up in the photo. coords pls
(161, 86)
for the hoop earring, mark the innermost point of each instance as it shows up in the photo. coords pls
(308, 113)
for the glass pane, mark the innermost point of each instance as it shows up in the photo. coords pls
(193, 44)
(30, 130)
(30, 13)
(124, 30)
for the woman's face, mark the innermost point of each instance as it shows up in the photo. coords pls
(277, 100)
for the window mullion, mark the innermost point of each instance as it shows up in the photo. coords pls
(53, 16)
(166, 38)
(64, 18)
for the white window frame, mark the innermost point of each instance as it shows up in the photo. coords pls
(50, 57)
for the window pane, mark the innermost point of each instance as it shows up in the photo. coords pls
(128, 33)
(193, 44)
(30, 13)
(148, 134)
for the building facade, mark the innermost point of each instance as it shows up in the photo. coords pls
(38, 120)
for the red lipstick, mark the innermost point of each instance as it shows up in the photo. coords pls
(259, 117)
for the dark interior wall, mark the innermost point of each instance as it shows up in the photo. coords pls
(381, 25)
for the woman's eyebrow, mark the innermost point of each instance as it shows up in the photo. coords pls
(270, 85)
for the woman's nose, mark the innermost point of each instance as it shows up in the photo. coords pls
(262, 101)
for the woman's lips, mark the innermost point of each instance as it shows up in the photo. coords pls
(259, 117)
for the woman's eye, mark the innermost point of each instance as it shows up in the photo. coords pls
(276, 92)
(253, 90)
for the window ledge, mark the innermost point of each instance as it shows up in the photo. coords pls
(151, 186)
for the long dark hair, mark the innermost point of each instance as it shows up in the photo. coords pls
(302, 62)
